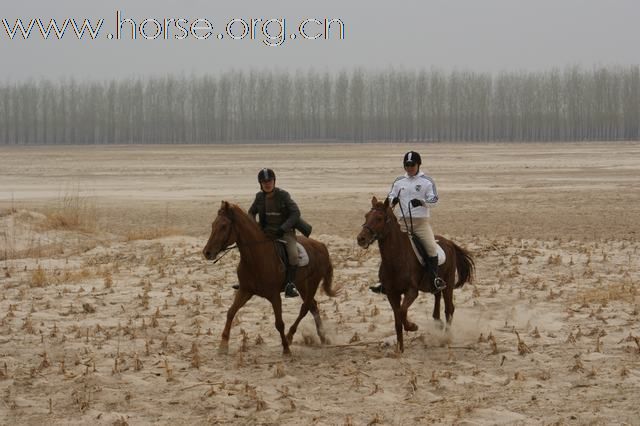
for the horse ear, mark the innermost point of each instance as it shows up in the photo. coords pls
(386, 202)
(224, 205)
(374, 201)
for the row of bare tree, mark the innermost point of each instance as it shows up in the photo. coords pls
(557, 105)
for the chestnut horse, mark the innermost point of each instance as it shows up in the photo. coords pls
(402, 274)
(261, 273)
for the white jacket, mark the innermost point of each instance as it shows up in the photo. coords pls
(419, 186)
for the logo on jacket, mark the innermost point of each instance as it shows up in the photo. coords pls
(418, 187)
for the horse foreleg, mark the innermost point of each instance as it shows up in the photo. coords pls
(449, 308)
(436, 306)
(240, 299)
(408, 299)
(394, 301)
(292, 330)
(276, 302)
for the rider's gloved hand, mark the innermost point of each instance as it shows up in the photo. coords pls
(280, 233)
(416, 203)
(395, 201)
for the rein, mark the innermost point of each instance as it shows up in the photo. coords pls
(224, 252)
(410, 229)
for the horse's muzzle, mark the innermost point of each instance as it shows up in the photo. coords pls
(365, 241)
(208, 254)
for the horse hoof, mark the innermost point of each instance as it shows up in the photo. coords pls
(411, 327)
(223, 349)
(286, 352)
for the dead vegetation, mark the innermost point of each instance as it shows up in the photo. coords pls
(124, 329)
(72, 211)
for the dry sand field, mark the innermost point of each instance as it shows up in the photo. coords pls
(110, 315)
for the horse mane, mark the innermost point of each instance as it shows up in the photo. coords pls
(237, 214)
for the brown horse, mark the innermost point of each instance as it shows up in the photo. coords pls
(402, 274)
(261, 273)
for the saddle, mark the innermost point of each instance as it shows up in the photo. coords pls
(421, 252)
(281, 249)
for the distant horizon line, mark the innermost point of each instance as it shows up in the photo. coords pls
(312, 70)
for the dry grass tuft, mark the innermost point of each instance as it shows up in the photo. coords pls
(523, 349)
(259, 340)
(279, 371)
(72, 212)
(108, 280)
(39, 277)
(578, 367)
(152, 233)
(494, 344)
(195, 356)
(609, 292)
(168, 370)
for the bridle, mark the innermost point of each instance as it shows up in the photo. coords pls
(374, 235)
(227, 248)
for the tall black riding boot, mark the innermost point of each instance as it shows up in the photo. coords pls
(438, 283)
(290, 287)
(379, 289)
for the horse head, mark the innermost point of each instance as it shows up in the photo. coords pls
(222, 232)
(375, 222)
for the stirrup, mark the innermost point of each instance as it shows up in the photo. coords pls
(378, 289)
(438, 285)
(290, 290)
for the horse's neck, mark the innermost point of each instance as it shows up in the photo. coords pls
(393, 243)
(252, 243)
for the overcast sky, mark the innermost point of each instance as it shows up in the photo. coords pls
(479, 35)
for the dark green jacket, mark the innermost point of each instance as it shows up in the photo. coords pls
(288, 208)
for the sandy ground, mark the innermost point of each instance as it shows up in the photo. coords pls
(110, 315)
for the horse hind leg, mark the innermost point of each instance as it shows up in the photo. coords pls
(292, 330)
(307, 292)
(316, 317)
(242, 296)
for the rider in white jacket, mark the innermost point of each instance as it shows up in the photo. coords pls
(416, 193)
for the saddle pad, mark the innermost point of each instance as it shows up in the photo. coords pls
(441, 256)
(303, 257)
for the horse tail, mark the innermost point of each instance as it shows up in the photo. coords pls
(465, 266)
(327, 279)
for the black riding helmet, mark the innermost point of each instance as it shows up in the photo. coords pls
(411, 158)
(265, 175)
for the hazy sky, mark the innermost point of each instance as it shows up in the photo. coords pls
(480, 35)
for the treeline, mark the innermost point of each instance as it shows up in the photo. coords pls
(573, 104)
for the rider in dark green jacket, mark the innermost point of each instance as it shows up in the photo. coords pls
(278, 217)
